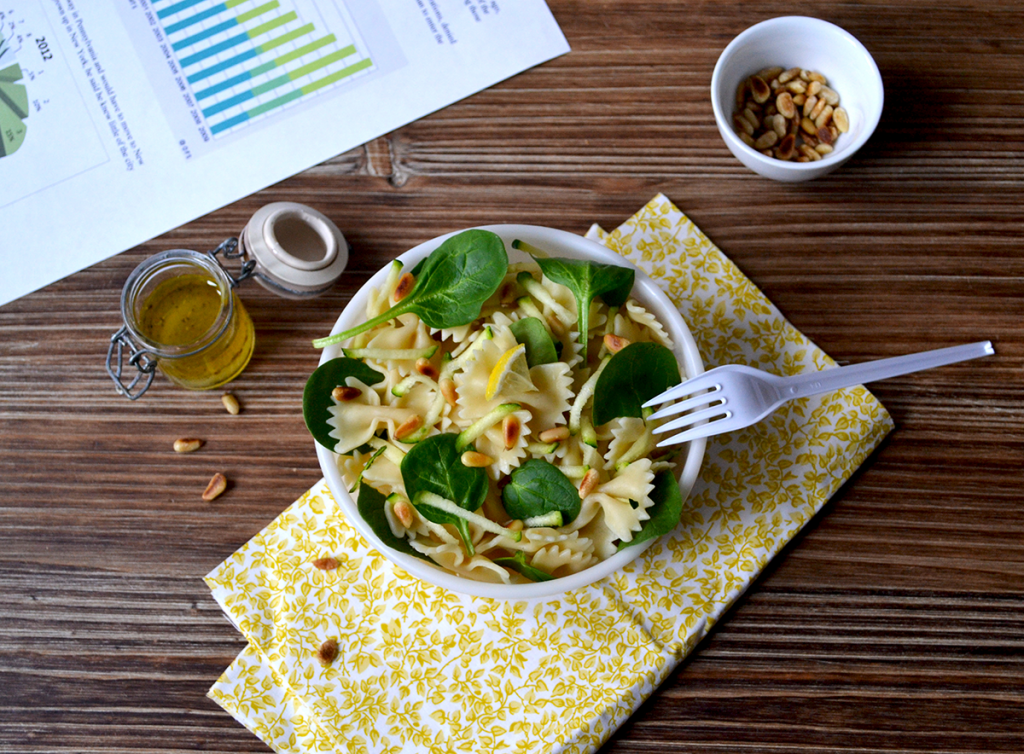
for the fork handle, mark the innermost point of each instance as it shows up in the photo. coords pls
(815, 383)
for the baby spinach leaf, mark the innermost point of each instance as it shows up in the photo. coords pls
(635, 374)
(586, 280)
(537, 487)
(540, 346)
(371, 507)
(434, 465)
(664, 514)
(453, 283)
(518, 563)
(316, 396)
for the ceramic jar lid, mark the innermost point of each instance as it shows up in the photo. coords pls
(299, 252)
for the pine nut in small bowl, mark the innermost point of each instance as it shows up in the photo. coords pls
(795, 97)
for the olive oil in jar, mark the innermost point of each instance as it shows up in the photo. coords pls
(181, 306)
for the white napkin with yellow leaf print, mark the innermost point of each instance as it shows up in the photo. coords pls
(421, 669)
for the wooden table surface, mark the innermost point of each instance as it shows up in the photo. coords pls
(893, 623)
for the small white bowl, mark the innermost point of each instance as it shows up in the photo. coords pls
(557, 243)
(815, 45)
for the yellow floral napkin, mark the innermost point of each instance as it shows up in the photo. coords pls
(420, 669)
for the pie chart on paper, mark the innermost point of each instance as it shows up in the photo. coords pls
(13, 106)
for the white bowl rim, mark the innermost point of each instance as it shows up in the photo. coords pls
(686, 348)
(770, 162)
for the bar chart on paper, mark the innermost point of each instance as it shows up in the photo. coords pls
(245, 59)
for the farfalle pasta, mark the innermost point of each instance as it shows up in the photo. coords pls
(478, 439)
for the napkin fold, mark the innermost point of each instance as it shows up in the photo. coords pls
(422, 669)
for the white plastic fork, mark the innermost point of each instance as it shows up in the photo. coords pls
(734, 396)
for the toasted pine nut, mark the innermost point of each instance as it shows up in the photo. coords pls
(824, 117)
(824, 136)
(815, 76)
(409, 426)
(813, 88)
(424, 367)
(449, 392)
(187, 445)
(557, 328)
(405, 284)
(765, 140)
(770, 73)
(741, 93)
(230, 403)
(615, 343)
(516, 525)
(841, 119)
(476, 460)
(796, 86)
(759, 89)
(805, 75)
(751, 117)
(786, 148)
(746, 138)
(792, 73)
(325, 564)
(555, 434)
(809, 153)
(808, 125)
(818, 108)
(509, 293)
(823, 149)
(779, 124)
(589, 483)
(328, 652)
(742, 125)
(809, 105)
(405, 513)
(829, 95)
(510, 430)
(799, 99)
(785, 104)
(344, 393)
(216, 486)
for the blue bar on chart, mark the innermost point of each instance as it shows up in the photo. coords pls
(243, 64)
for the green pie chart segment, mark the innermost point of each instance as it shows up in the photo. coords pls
(11, 73)
(13, 110)
(12, 132)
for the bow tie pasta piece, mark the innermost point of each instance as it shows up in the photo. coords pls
(492, 443)
(452, 558)
(405, 333)
(550, 400)
(651, 328)
(561, 561)
(384, 476)
(355, 421)
(616, 497)
(472, 380)
(625, 431)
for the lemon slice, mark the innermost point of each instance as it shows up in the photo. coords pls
(510, 374)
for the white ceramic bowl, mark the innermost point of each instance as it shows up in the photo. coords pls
(800, 42)
(557, 243)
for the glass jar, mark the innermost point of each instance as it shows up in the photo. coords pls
(181, 315)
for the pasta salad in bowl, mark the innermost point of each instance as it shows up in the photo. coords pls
(472, 435)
